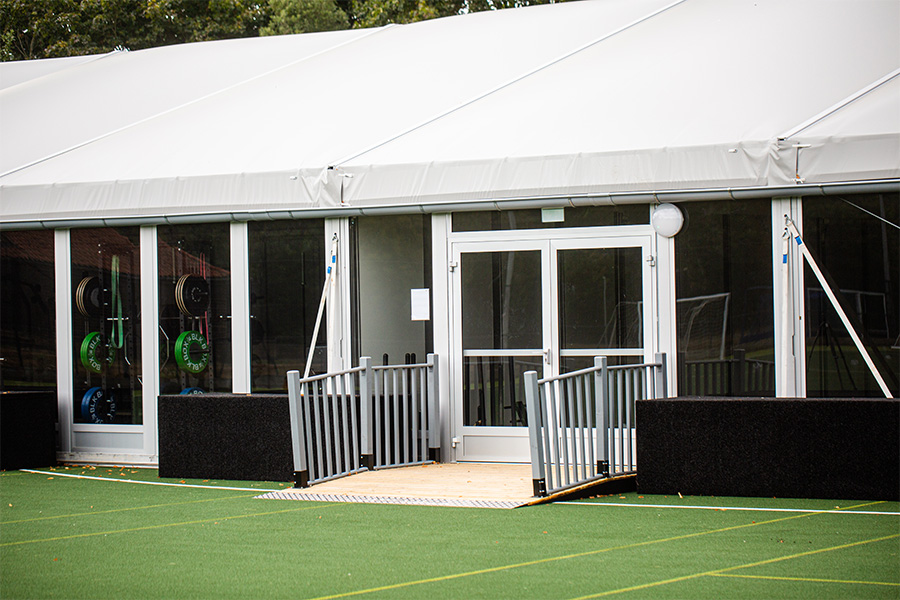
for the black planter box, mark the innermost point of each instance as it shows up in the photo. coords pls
(27, 430)
(225, 436)
(787, 447)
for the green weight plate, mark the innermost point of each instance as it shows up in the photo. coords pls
(192, 352)
(95, 352)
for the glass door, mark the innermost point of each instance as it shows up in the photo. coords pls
(545, 305)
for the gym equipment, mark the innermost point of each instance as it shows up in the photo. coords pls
(191, 391)
(95, 352)
(98, 406)
(89, 297)
(192, 295)
(192, 352)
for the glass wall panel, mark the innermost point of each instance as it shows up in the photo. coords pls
(494, 390)
(600, 298)
(287, 272)
(856, 242)
(501, 300)
(582, 216)
(28, 317)
(724, 309)
(195, 308)
(393, 256)
(502, 334)
(106, 326)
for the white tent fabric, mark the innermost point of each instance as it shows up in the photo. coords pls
(580, 98)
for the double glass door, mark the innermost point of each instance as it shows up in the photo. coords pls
(545, 305)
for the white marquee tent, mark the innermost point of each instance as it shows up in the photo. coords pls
(592, 101)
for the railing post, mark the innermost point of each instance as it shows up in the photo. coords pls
(738, 366)
(662, 386)
(434, 427)
(533, 409)
(367, 456)
(601, 406)
(298, 432)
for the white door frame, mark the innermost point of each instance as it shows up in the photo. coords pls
(510, 444)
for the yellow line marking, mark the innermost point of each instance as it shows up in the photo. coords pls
(714, 572)
(806, 579)
(148, 527)
(566, 557)
(115, 510)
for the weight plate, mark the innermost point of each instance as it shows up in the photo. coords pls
(192, 295)
(98, 406)
(191, 391)
(89, 297)
(192, 352)
(95, 352)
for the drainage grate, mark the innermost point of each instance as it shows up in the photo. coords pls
(449, 502)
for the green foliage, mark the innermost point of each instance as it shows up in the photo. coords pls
(302, 16)
(32, 29)
(377, 13)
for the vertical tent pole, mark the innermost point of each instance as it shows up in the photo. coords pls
(786, 321)
(837, 307)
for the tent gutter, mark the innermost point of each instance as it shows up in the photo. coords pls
(609, 199)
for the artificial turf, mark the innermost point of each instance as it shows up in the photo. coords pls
(63, 537)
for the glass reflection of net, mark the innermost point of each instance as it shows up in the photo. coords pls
(624, 329)
(702, 323)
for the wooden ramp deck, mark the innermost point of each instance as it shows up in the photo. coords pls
(473, 485)
(481, 485)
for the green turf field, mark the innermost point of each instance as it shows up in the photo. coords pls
(64, 537)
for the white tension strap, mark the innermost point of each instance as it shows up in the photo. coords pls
(790, 231)
(327, 288)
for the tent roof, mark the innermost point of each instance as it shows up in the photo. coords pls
(582, 99)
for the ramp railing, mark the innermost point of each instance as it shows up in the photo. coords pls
(581, 425)
(363, 418)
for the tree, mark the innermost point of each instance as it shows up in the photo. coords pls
(302, 16)
(36, 29)
(49, 28)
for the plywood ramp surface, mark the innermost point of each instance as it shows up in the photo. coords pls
(468, 481)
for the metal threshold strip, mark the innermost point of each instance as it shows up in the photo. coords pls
(399, 500)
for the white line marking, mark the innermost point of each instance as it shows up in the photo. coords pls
(726, 508)
(187, 485)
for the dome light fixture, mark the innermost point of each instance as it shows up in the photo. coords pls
(667, 220)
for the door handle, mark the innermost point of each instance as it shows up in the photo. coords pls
(547, 357)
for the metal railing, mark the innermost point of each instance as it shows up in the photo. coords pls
(737, 376)
(363, 418)
(581, 425)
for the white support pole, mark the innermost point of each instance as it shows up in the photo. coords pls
(786, 362)
(64, 355)
(789, 224)
(150, 348)
(240, 309)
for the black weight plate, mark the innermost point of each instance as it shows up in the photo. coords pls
(192, 295)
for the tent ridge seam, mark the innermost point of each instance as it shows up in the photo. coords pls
(190, 102)
(840, 105)
(509, 83)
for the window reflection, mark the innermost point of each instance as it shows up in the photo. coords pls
(287, 271)
(724, 308)
(581, 216)
(856, 242)
(28, 330)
